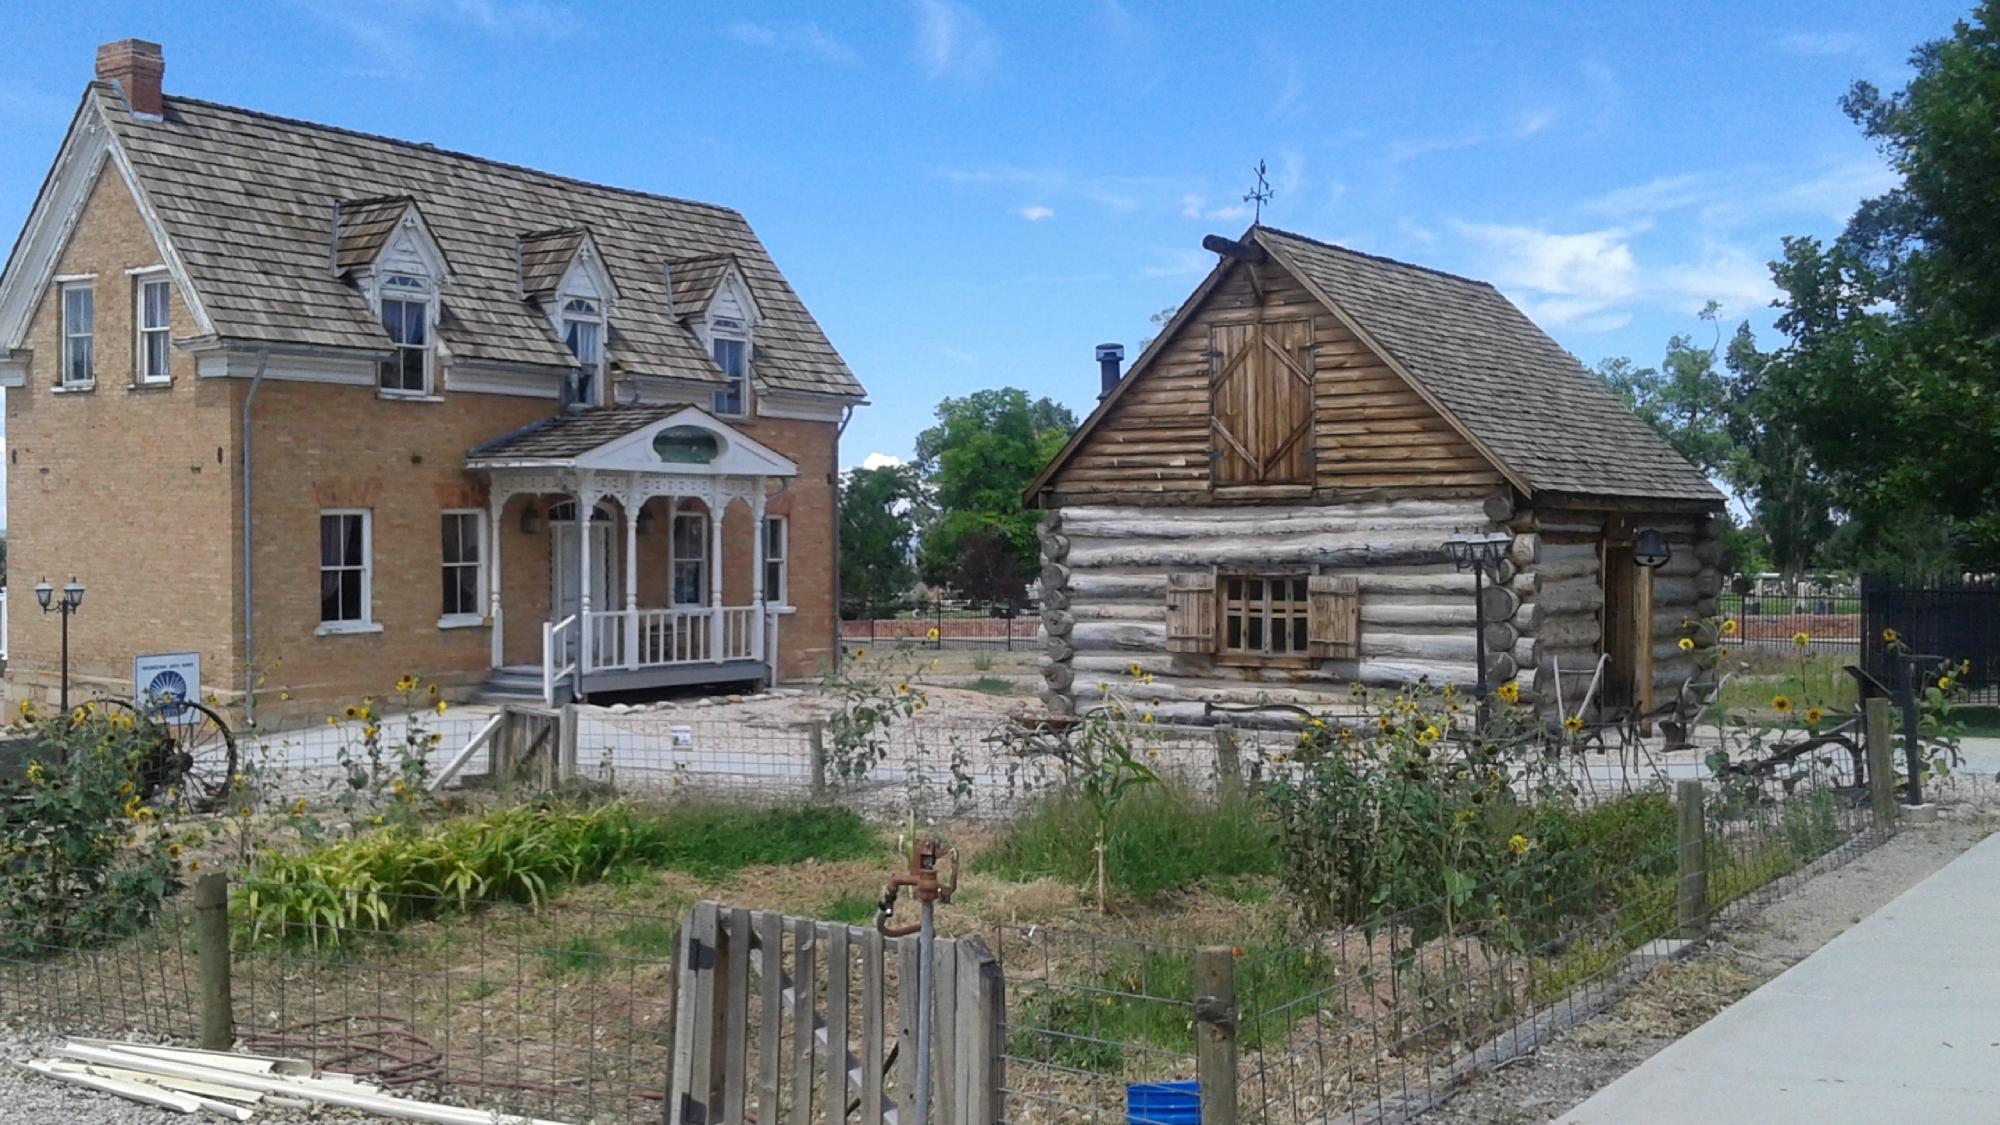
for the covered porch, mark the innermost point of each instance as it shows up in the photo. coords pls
(636, 504)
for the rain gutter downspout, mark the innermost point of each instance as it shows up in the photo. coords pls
(846, 416)
(249, 586)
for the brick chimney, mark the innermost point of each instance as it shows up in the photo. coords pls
(136, 66)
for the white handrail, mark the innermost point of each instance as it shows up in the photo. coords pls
(552, 673)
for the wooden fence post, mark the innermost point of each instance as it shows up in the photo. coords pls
(982, 1012)
(1215, 1032)
(566, 744)
(1691, 838)
(211, 946)
(1881, 763)
(816, 737)
(1228, 763)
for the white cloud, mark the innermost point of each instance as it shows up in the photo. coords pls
(1591, 281)
(1596, 264)
(1658, 195)
(1036, 213)
(802, 38)
(1191, 206)
(1230, 213)
(959, 357)
(1823, 44)
(880, 461)
(1184, 264)
(953, 41)
(517, 17)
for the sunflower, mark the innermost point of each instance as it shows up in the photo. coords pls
(1509, 693)
(1573, 724)
(350, 712)
(1801, 640)
(1729, 627)
(440, 707)
(1944, 683)
(1813, 715)
(406, 682)
(933, 634)
(1889, 636)
(1687, 644)
(1782, 704)
(1517, 843)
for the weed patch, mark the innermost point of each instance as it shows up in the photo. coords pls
(1161, 839)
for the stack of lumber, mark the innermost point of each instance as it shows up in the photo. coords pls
(234, 1087)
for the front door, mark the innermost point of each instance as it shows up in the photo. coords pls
(565, 592)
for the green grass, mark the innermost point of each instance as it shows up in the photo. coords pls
(1162, 839)
(851, 909)
(1815, 681)
(994, 685)
(576, 955)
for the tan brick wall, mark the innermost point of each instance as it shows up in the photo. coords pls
(134, 492)
(130, 490)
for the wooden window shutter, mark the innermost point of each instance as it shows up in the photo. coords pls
(1335, 622)
(1191, 612)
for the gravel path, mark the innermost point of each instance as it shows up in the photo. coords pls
(1680, 997)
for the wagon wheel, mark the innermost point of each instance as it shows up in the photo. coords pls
(192, 753)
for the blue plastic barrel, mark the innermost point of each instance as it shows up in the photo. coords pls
(1163, 1103)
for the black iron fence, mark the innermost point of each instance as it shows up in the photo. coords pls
(1957, 619)
(1831, 621)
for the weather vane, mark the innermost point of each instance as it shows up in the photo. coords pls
(1257, 196)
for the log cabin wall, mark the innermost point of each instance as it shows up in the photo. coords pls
(1370, 431)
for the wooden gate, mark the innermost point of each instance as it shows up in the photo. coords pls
(792, 1021)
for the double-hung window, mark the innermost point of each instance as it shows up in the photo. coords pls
(150, 314)
(583, 333)
(406, 316)
(731, 348)
(79, 318)
(1264, 614)
(464, 567)
(777, 541)
(687, 552)
(345, 564)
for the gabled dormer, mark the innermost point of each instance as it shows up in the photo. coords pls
(711, 295)
(384, 248)
(563, 273)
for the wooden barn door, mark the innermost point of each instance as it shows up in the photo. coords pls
(1261, 403)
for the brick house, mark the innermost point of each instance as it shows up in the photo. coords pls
(326, 407)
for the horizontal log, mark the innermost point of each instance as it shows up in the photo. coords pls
(1574, 566)
(1525, 550)
(1437, 614)
(1059, 650)
(1120, 611)
(1499, 507)
(1161, 525)
(1500, 637)
(1119, 636)
(1055, 576)
(1569, 631)
(1575, 595)
(1055, 547)
(1498, 603)
(1708, 552)
(1500, 668)
(1085, 520)
(1708, 583)
(1057, 702)
(1055, 597)
(1058, 623)
(1149, 584)
(1261, 552)
(1058, 676)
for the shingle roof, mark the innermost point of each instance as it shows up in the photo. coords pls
(1528, 402)
(364, 225)
(245, 199)
(569, 434)
(545, 257)
(695, 280)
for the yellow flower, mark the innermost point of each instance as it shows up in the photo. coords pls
(406, 683)
(1573, 724)
(1465, 816)
(376, 821)
(1888, 636)
(432, 691)
(398, 788)
(351, 711)
(370, 731)
(1781, 704)
(1801, 640)
(331, 721)
(35, 774)
(1944, 683)
(27, 711)
(1146, 718)
(440, 707)
(194, 865)
(1134, 670)
(283, 695)
(1687, 644)
(932, 635)
(1384, 722)
(1509, 693)
(173, 851)
(902, 689)
(1729, 627)
(1813, 716)
(859, 653)
(299, 807)
(1517, 843)
(1430, 734)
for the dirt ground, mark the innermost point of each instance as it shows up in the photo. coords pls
(1677, 998)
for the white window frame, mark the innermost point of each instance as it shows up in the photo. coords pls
(723, 330)
(593, 316)
(87, 286)
(478, 564)
(674, 560)
(781, 592)
(387, 290)
(366, 623)
(143, 332)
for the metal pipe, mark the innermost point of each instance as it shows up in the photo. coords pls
(249, 585)
(926, 972)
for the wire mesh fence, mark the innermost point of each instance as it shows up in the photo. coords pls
(109, 975)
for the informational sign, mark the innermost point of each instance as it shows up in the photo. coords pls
(166, 681)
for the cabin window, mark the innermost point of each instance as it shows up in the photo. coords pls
(406, 316)
(731, 348)
(1264, 615)
(583, 333)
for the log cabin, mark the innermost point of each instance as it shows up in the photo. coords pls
(1256, 512)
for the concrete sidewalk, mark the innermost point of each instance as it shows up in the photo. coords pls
(1898, 1019)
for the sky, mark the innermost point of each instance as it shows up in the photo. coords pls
(973, 196)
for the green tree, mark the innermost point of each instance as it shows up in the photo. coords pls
(1687, 398)
(984, 450)
(878, 510)
(1889, 381)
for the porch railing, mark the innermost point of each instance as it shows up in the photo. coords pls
(559, 649)
(652, 638)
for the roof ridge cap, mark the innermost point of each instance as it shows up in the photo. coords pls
(423, 146)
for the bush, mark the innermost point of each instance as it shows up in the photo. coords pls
(85, 854)
(403, 874)
(1162, 838)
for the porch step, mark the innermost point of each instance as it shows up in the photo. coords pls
(521, 683)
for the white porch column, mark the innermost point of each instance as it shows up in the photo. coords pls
(758, 532)
(496, 506)
(632, 580)
(717, 508)
(584, 511)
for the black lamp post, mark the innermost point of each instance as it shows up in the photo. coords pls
(1479, 553)
(72, 600)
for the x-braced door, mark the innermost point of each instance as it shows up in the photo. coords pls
(1261, 402)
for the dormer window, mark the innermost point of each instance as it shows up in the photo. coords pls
(729, 340)
(407, 304)
(583, 334)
